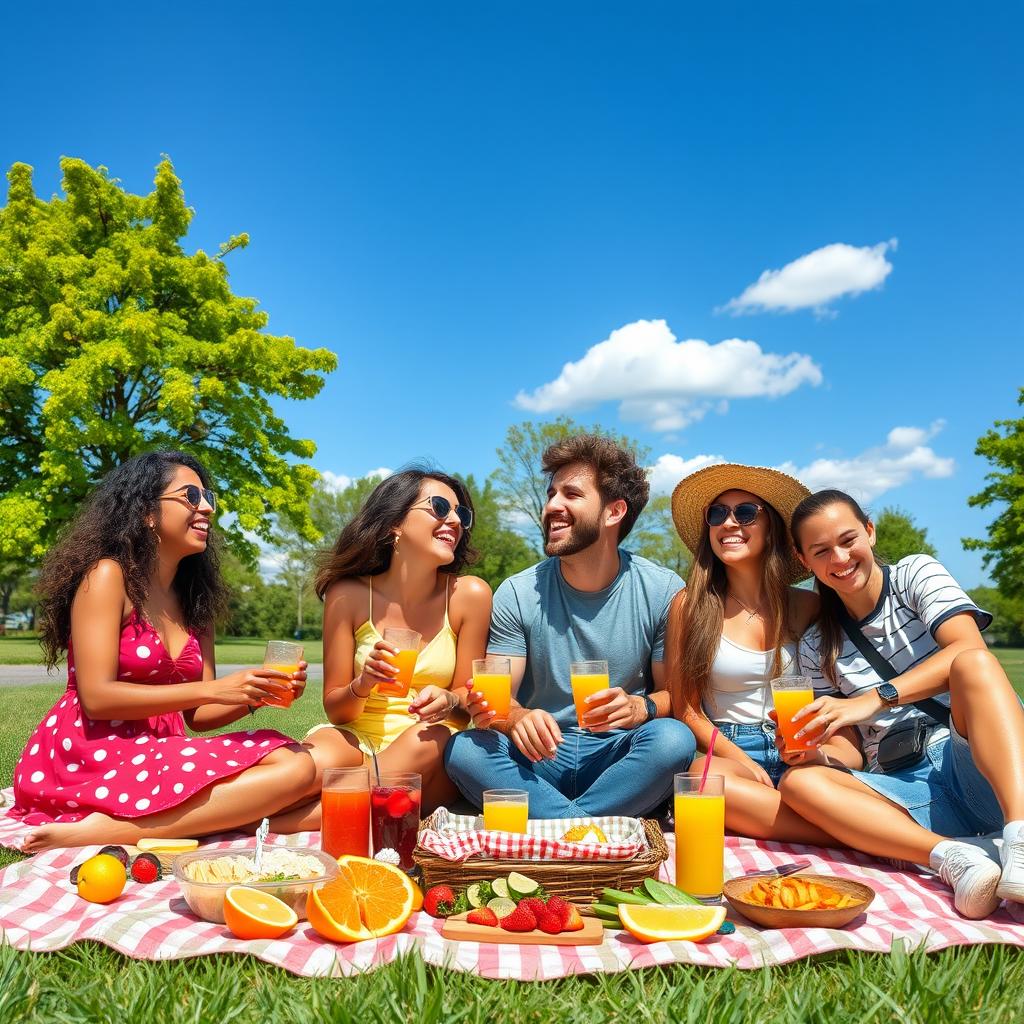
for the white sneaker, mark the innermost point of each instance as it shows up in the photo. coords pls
(971, 875)
(1011, 882)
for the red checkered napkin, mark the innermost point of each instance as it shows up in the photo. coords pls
(458, 836)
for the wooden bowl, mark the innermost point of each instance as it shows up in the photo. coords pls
(736, 891)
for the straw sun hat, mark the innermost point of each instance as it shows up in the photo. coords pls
(695, 492)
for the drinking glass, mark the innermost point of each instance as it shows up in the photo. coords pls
(492, 678)
(282, 656)
(506, 810)
(345, 812)
(790, 694)
(395, 814)
(586, 678)
(700, 834)
(408, 643)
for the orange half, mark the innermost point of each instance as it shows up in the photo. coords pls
(253, 914)
(367, 900)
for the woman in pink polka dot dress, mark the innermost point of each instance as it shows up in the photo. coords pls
(131, 594)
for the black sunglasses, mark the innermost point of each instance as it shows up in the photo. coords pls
(744, 513)
(442, 506)
(194, 495)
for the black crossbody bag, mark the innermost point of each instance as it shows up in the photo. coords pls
(904, 744)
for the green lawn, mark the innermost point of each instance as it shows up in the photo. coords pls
(87, 981)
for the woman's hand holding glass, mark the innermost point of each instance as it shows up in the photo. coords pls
(250, 686)
(830, 714)
(378, 668)
(479, 710)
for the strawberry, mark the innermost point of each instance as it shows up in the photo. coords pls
(559, 907)
(399, 804)
(572, 922)
(534, 905)
(548, 921)
(442, 901)
(146, 868)
(483, 916)
(522, 919)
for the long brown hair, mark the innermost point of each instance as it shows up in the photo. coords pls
(365, 545)
(697, 621)
(830, 628)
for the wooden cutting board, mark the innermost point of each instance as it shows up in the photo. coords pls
(460, 930)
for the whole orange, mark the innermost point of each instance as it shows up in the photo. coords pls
(101, 879)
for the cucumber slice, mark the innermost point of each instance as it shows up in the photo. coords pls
(500, 887)
(668, 895)
(605, 911)
(520, 887)
(476, 895)
(616, 896)
(501, 906)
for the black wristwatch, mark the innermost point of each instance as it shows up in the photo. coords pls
(652, 708)
(889, 695)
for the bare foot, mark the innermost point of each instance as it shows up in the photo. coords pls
(93, 830)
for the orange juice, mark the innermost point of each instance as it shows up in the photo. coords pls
(285, 700)
(700, 843)
(497, 691)
(399, 686)
(500, 816)
(345, 823)
(787, 703)
(582, 687)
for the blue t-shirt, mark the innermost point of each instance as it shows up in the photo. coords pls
(538, 615)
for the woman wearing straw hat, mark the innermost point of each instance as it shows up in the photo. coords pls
(733, 629)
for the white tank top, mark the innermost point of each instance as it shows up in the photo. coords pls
(739, 692)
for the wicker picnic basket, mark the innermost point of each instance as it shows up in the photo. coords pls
(579, 880)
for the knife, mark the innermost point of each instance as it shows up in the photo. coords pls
(782, 869)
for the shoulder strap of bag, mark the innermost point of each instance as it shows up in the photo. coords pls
(932, 708)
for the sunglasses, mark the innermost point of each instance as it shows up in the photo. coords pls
(744, 513)
(193, 496)
(442, 506)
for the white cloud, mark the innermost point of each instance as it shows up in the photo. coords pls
(339, 481)
(665, 383)
(877, 470)
(816, 279)
(670, 469)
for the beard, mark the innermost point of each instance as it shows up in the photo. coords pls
(582, 534)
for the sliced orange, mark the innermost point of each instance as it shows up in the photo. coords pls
(368, 899)
(654, 923)
(417, 896)
(253, 914)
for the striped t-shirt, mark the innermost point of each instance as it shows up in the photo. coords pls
(918, 595)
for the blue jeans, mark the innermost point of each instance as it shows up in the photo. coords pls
(628, 771)
(758, 743)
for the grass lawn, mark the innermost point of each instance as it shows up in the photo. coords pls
(87, 981)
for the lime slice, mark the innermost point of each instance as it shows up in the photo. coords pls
(476, 896)
(501, 906)
(520, 887)
(500, 887)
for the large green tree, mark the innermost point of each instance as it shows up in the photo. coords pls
(655, 537)
(897, 535)
(115, 340)
(1003, 446)
(519, 484)
(1007, 629)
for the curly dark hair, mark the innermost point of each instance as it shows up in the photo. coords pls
(365, 545)
(618, 474)
(112, 523)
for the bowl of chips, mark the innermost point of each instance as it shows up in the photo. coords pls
(798, 901)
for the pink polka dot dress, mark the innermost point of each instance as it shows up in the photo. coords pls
(73, 765)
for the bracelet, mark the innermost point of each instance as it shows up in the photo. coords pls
(454, 704)
(357, 694)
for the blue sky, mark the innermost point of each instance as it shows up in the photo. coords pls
(461, 199)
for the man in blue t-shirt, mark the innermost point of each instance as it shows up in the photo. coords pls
(589, 601)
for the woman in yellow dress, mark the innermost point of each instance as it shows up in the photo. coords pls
(397, 564)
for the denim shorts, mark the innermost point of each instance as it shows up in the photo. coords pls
(944, 792)
(758, 743)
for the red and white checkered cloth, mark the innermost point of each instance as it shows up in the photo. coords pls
(39, 910)
(458, 836)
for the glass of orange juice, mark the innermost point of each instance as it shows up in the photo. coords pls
(506, 810)
(408, 643)
(700, 834)
(282, 656)
(345, 812)
(492, 678)
(586, 678)
(790, 694)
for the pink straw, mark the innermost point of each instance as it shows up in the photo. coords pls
(707, 760)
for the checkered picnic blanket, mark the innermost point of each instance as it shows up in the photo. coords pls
(458, 836)
(39, 910)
